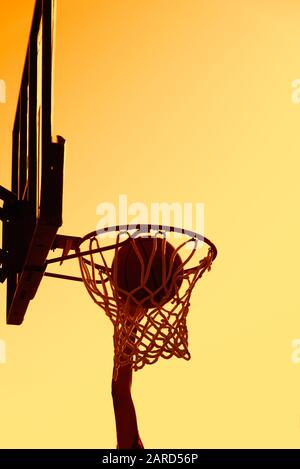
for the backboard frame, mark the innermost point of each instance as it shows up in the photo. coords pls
(32, 211)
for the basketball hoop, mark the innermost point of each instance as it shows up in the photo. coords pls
(151, 325)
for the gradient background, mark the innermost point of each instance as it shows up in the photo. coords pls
(168, 101)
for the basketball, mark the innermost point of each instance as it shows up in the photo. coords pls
(154, 285)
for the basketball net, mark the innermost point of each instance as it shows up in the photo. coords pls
(141, 335)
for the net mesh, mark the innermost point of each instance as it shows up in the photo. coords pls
(141, 334)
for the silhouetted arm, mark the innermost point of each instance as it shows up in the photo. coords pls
(126, 422)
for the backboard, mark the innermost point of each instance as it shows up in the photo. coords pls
(32, 210)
